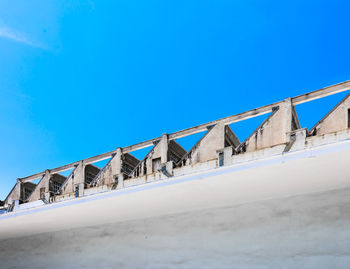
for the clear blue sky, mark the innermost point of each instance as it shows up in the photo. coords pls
(78, 78)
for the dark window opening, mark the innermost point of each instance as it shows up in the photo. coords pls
(221, 159)
(27, 193)
(348, 118)
(42, 193)
(77, 191)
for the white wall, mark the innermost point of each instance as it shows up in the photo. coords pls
(289, 211)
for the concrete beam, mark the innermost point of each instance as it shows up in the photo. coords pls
(330, 90)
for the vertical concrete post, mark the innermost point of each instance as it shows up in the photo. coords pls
(228, 151)
(79, 179)
(47, 177)
(79, 173)
(117, 168)
(164, 149)
(288, 115)
(116, 163)
(46, 181)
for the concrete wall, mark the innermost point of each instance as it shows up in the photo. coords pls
(76, 177)
(205, 149)
(160, 152)
(44, 183)
(14, 194)
(308, 231)
(273, 131)
(286, 211)
(18, 192)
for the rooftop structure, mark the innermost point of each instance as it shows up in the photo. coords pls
(219, 146)
(278, 199)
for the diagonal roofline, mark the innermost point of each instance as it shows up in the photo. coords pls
(321, 93)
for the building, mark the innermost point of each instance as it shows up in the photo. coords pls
(277, 199)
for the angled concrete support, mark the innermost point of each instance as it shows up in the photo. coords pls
(14, 195)
(217, 137)
(161, 156)
(338, 119)
(109, 173)
(47, 187)
(42, 189)
(75, 181)
(273, 131)
(118, 168)
(150, 163)
(20, 192)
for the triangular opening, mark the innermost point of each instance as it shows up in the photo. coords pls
(101, 164)
(66, 173)
(36, 181)
(244, 129)
(141, 153)
(312, 112)
(189, 141)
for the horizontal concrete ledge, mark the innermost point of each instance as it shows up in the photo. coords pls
(337, 88)
(335, 147)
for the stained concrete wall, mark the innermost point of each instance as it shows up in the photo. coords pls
(206, 148)
(282, 212)
(18, 192)
(106, 175)
(307, 231)
(43, 184)
(158, 151)
(76, 177)
(14, 194)
(274, 129)
(159, 155)
(144, 167)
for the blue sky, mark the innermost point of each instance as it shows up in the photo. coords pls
(78, 78)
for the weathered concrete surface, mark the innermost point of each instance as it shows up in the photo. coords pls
(76, 177)
(289, 211)
(308, 231)
(274, 129)
(206, 148)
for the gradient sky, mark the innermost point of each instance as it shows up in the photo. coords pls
(79, 78)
